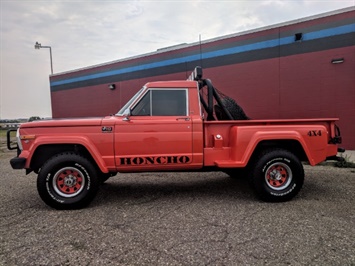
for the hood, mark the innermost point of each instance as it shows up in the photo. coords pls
(64, 122)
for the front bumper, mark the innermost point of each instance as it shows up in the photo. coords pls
(18, 163)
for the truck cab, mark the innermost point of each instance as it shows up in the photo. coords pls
(161, 128)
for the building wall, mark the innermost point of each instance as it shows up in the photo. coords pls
(268, 72)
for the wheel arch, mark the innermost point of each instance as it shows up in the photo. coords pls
(290, 145)
(45, 151)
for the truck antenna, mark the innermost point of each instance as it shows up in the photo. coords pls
(200, 50)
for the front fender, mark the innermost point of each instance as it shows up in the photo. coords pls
(64, 140)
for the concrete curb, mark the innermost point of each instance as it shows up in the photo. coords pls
(349, 155)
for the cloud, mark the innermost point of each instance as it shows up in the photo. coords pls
(133, 9)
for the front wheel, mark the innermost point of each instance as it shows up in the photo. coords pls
(67, 181)
(278, 175)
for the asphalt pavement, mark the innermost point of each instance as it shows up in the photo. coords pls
(180, 219)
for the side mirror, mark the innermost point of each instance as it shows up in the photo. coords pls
(126, 114)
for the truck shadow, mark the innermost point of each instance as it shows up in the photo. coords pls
(147, 187)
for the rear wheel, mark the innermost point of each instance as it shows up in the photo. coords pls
(67, 181)
(277, 175)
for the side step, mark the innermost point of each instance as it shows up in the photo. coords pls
(228, 164)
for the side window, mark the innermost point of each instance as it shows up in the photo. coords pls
(162, 103)
(169, 102)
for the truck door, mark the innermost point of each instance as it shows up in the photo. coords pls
(158, 133)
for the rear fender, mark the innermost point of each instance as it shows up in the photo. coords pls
(245, 140)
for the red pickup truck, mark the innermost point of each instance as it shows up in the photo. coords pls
(171, 126)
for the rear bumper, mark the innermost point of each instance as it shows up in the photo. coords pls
(18, 163)
(337, 158)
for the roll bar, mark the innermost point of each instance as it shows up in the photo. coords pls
(211, 94)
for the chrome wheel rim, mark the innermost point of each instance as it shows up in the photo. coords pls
(278, 176)
(68, 182)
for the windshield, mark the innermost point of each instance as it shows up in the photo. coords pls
(128, 104)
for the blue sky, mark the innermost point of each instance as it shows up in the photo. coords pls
(85, 33)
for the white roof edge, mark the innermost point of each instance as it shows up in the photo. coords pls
(185, 45)
(287, 23)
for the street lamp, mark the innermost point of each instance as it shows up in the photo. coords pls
(38, 46)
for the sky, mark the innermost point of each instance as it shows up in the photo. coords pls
(85, 33)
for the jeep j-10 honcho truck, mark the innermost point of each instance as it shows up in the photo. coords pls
(171, 126)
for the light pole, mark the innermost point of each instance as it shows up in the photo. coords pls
(38, 46)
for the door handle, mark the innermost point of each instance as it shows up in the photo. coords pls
(183, 118)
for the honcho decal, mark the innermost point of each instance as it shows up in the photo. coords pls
(155, 160)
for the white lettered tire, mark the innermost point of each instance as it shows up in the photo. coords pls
(67, 181)
(277, 175)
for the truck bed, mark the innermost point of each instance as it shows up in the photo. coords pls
(231, 143)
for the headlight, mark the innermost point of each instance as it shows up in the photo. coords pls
(19, 144)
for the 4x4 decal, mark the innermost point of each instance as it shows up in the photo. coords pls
(314, 133)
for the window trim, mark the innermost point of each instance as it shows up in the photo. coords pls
(162, 89)
(132, 101)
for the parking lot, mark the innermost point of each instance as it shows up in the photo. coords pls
(180, 219)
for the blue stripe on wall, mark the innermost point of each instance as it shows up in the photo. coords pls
(223, 52)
